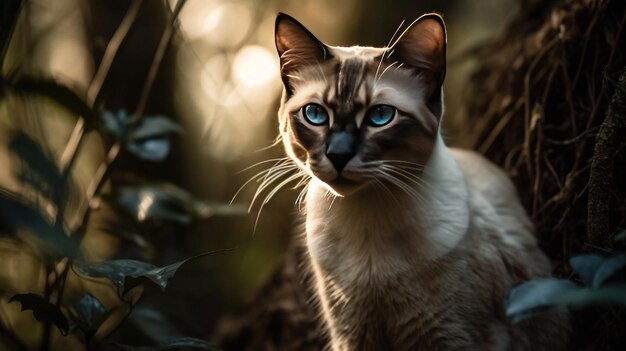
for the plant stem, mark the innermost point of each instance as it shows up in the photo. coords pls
(103, 170)
(156, 62)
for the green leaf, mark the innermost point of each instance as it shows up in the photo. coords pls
(15, 215)
(127, 274)
(38, 169)
(586, 266)
(91, 313)
(57, 92)
(167, 202)
(147, 138)
(43, 310)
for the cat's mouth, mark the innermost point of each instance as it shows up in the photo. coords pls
(344, 186)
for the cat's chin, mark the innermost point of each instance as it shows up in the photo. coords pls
(344, 187)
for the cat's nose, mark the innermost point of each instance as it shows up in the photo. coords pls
(341, 148)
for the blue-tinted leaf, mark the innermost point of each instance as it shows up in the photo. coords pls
(536, 296)
(608, 268)
(610, 294)
(155, 149)
(127, 274)
(586, 266)
(43, 310)
(116, 271)
(185, 343)
(147, 138)
(16, 215)
(91, 313)
(155, 325)
(620, 236)
(168, 202)
(163, 202)
(123, 231)
(151, 127)
(115, 123)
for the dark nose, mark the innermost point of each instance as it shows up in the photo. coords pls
(341, 148)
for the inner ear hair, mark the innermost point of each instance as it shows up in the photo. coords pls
(297, 47)
(423, 44)
(422, 47)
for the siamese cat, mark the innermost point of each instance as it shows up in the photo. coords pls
(412, 245)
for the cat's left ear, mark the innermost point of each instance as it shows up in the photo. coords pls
(422, 47)
(297, 47)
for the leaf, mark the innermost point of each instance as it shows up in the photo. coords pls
(115, 270)
(147, 138)
(167, 202)
(541, 295)
(38, 169)
(155, 325)
(185, 343)
(586, 266)
(57, 92)
(155, 149)
(608, 268)
(595, 269)
(127, 274)
(536, 296)
(16, 214)
(620, 236)
(43, 310)
(91, 313)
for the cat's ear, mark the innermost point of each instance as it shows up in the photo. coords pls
(296, 47)
(422, 46)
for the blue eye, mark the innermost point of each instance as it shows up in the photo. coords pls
(380, 115)
(315, 114)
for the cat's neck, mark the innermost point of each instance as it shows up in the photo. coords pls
(433, 220)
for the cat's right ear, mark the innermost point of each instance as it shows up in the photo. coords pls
(296, 47)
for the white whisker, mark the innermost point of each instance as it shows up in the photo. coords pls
(382, 57)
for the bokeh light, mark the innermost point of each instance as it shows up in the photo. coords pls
(255, 66)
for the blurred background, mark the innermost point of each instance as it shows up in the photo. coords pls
(219, 80)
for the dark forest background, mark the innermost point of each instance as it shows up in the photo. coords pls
(125, 126)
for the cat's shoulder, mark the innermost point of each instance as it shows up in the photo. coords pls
(483, 176)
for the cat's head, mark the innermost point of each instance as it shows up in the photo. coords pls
(361, 115)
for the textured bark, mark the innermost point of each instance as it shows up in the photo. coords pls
(602, 168)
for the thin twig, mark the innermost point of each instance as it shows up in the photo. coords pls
(111, 51)
(158, 57)
(104, 168)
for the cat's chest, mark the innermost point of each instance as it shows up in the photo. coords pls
(359, 255)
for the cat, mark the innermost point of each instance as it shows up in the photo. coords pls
(412, 245)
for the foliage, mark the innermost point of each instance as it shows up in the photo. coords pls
(541, 295)
(43, 310)
(40, 221)
(127, 274)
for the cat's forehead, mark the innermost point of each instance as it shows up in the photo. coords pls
(352, 78)
(362, 52)
(342, 77)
